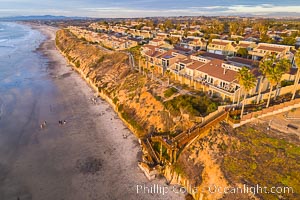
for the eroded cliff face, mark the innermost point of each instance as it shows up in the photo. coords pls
(129, 92)
(223, 157)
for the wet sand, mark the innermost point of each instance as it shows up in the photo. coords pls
(86, 159)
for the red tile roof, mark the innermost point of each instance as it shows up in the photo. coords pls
(212, 55)
(243, 61)
(153, 54)
(182, 49)
(244, 45)
(195, 65)
(269, 48)
(221, 43)
(156, 40)
(185, 61)
(149, 47)
(214, 69)
(168, 54)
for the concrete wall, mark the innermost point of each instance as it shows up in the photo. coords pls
(283, 107)
(281, 91)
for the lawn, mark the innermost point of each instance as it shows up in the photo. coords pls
(265, 160)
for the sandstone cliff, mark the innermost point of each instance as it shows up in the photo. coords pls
(130, 92)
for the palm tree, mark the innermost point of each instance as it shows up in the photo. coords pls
(284, 65)
(140, 57)
(275, 73)
(247, 82)
(168, 74)
(240, 77)
(152, 72)
(264, 65)
(144, 63)
(297, 62)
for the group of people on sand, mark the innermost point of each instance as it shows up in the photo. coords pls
(43, 125)
(94, 100)
(60, 122)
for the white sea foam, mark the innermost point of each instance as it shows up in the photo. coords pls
(3, 40)
(1, 108)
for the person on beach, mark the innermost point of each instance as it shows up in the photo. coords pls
(65, 122)
(45, 123)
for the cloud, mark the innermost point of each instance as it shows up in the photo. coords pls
(148, 8)
(36, 11)
(263, 9)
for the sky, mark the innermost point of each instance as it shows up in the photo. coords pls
(148, 8)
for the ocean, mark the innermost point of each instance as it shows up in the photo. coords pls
(18, 62)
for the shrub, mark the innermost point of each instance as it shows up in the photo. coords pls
(77, 64)
(285, 83)
(169, 92)
(194, 106)
(115, 100)
(158, 98)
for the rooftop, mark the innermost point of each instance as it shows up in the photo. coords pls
(215, 69)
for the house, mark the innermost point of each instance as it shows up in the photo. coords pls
(151, 54)
(195, 43)
(117, 43)
(176, 36)
(162, 36)
(222, 47)
(248, 30)
(217, 76)
(147, 28)
(237, 37)
(246, 45)
(183, 50)
(249, 63)
(249, 46)
(146, 34)
(211, 55)
(168, 59)
(194, 32)
(156, 42)
(183, 69)
(97, 26)
(264, 49)
(160, 58)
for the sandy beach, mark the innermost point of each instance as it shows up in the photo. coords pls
(87, 158)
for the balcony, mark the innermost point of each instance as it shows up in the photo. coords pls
(226, 91)
(256, 53)
(175, 71)
(215, 48)
(186, 76)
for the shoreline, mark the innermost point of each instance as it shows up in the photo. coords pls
(137, 176)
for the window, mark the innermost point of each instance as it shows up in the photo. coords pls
(181, 66)
(165, 63)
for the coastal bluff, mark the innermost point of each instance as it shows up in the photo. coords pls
(129, 93)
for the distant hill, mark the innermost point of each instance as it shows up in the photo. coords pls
(43, 17)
